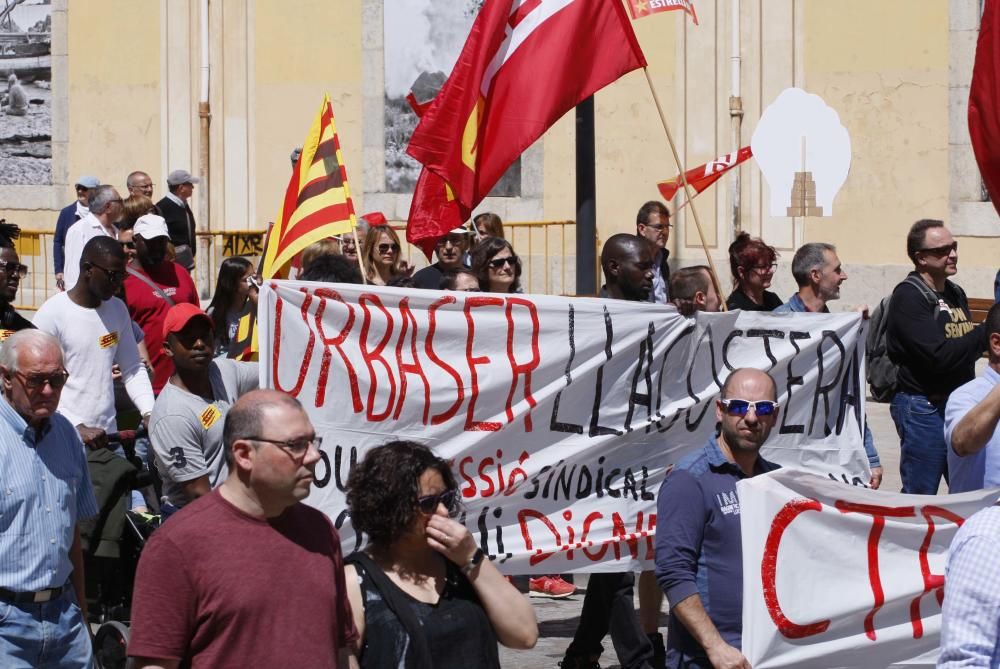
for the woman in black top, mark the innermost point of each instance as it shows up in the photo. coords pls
(752, 263)
(422, 593)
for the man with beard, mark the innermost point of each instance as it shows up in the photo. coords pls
(698, 549)
(186, 426)
(627, 262)
(154, 284)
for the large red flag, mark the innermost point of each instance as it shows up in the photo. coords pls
(433, 213)
(703, 176)
(984, 101)
(524, 65)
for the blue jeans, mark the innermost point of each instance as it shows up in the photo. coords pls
(923, 458)
(44, 636)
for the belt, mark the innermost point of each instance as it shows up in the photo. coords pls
(39, 597)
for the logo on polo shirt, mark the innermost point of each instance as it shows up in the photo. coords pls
(728, 503)
(5, 333)
(108, 340)
(209, 416)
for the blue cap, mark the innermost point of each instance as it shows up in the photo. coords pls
(88, 182)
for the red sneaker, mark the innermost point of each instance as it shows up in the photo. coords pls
(550, 586)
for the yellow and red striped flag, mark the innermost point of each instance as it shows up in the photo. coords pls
(317, 201)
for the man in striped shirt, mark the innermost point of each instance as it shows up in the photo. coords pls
(45, 492)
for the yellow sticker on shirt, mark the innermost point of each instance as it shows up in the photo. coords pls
(209, 416)
(108, 340)
(5, 333)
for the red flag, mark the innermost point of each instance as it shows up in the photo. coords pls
(641, 8)
(984, 102)
(524, 65)
(433, 213)
(703, 176)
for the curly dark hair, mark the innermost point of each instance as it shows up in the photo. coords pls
(382, 489)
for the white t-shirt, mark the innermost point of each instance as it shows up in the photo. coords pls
(92, 340)
(77, 237)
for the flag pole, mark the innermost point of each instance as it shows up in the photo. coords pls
(687, 189)
(357, 249)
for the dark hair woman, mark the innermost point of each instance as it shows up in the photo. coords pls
(499, 269)
(235, 297)
(422, 593)
(488, 225)
(752, 263)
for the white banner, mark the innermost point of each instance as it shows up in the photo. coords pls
(842, 576)
(560, 415)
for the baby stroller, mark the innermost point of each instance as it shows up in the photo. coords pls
(113, 541)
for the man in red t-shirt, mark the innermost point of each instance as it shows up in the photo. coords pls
(154, 284)
(247, 575)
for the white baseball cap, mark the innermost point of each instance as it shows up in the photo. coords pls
(150, 226)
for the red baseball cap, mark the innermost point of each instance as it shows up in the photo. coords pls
(180, 315)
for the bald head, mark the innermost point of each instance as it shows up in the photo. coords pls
(746, 381)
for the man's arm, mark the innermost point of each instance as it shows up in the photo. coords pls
(693, 616)
(973, 430)
(197, 487)
(77, 577)
(914, 334)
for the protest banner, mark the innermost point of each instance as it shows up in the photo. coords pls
(560, 415)
(842, 576)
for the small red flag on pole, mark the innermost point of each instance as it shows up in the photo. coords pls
(703, 176)
(643, 8)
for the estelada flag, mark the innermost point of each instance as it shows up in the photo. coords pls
(984, 101)
(641, 8)
(703, 176)
(317, 202)
(524, 65)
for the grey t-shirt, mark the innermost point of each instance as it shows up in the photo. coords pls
(186, 431)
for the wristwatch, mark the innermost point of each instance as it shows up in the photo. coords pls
(477, 557)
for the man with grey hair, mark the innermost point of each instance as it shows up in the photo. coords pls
(195, 601)
(48, 492)
(69, 215)
(105, 211)
(818, 274)
(179, 217)
(139, 183)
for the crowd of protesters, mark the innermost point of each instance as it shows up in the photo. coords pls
(235, 462)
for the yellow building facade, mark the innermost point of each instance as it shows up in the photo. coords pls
(127, 76)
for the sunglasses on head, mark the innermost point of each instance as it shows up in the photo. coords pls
(736, 407)
(497, 263)
(385, 248)
(429, 503)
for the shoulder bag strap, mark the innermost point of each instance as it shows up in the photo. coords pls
(420, 654)
(149, 282)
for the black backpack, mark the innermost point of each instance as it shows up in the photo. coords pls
(881, 371)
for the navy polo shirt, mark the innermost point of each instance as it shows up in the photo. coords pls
(698, 549)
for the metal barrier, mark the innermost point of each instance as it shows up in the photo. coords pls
(547, 250)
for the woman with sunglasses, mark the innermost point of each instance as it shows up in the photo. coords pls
(497, 266)
(752, 263)
(422, 592)
(380, 253)
(235, 296)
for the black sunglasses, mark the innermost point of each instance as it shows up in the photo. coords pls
(941, 251)
(128, 245)
(429, 504)
(497, 263)
(735, 407)
(385, 248)
(11, 267)
(114, 276)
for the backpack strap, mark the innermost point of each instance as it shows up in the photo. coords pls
(924, 289)
(419, 656)
(149, 282)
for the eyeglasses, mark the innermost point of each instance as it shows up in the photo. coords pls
(118, 200)
(37, 381)
(941, 251)
(764, 269)
(11, 267)
(114, 275)
(735, 407)
(454, 240)
(128, 245)
(659, 226)
(497, 263)
(429, 503)
(297, 448)
(385, 248)
(346, 242)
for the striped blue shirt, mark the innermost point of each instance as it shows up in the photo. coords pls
(970, 627)
(44, 490)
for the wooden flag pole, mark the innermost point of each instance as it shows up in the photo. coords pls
(687, 190)
(357, 249)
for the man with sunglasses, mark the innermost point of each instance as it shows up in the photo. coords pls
(69, 215)
(95, 333)
(154, 284)
(698, 550)
(930, 336)
(450, 252)
(248, 575)
(186, 426)
(47, 493)
(653, 223)
(11, 273)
